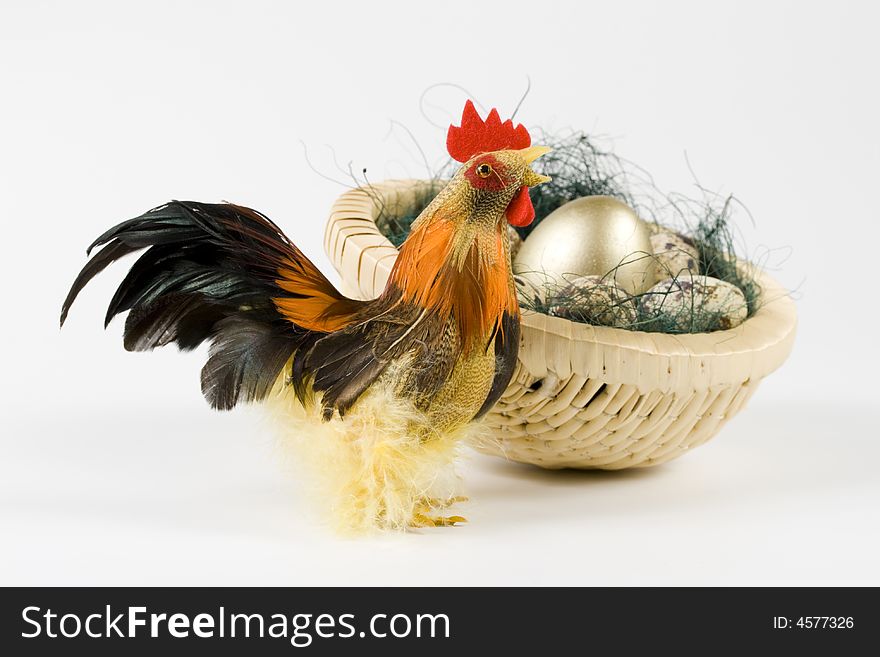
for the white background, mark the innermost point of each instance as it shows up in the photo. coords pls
(113, 470)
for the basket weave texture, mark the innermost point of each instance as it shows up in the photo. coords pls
(588, 396)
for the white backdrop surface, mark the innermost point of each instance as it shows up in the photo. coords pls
(113, 471)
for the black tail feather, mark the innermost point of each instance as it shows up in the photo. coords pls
(94, 267)
(209, 273)
(245, 360)
(186, 319)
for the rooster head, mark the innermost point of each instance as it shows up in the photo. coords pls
(496, 172)
(456, 260)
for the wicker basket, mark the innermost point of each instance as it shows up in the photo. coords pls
(588, 396)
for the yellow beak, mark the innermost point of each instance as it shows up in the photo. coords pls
(529, 155)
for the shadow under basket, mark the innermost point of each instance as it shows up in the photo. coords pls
(586, 396)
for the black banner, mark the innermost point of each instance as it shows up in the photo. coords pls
(114, 621)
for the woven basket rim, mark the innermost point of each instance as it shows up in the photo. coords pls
(751, 350)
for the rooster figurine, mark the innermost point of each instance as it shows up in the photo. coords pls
(380, 392)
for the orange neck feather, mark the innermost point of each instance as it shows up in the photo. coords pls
(462, 276)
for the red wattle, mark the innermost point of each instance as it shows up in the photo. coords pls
(521, 212)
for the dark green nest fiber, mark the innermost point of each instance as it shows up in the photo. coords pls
(578, 168)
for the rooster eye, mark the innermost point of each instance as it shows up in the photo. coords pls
(484, 170)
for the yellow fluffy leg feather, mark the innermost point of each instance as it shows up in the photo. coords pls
(382, 466)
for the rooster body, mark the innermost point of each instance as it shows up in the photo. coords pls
(378, 392)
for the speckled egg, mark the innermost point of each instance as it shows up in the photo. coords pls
(694, 304)
(675, 256)
(593, 300)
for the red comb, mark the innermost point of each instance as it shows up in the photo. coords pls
(478, 136)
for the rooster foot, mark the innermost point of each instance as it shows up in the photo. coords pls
(424, 513)
(424, 520)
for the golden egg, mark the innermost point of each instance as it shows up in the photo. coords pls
(590, 236)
